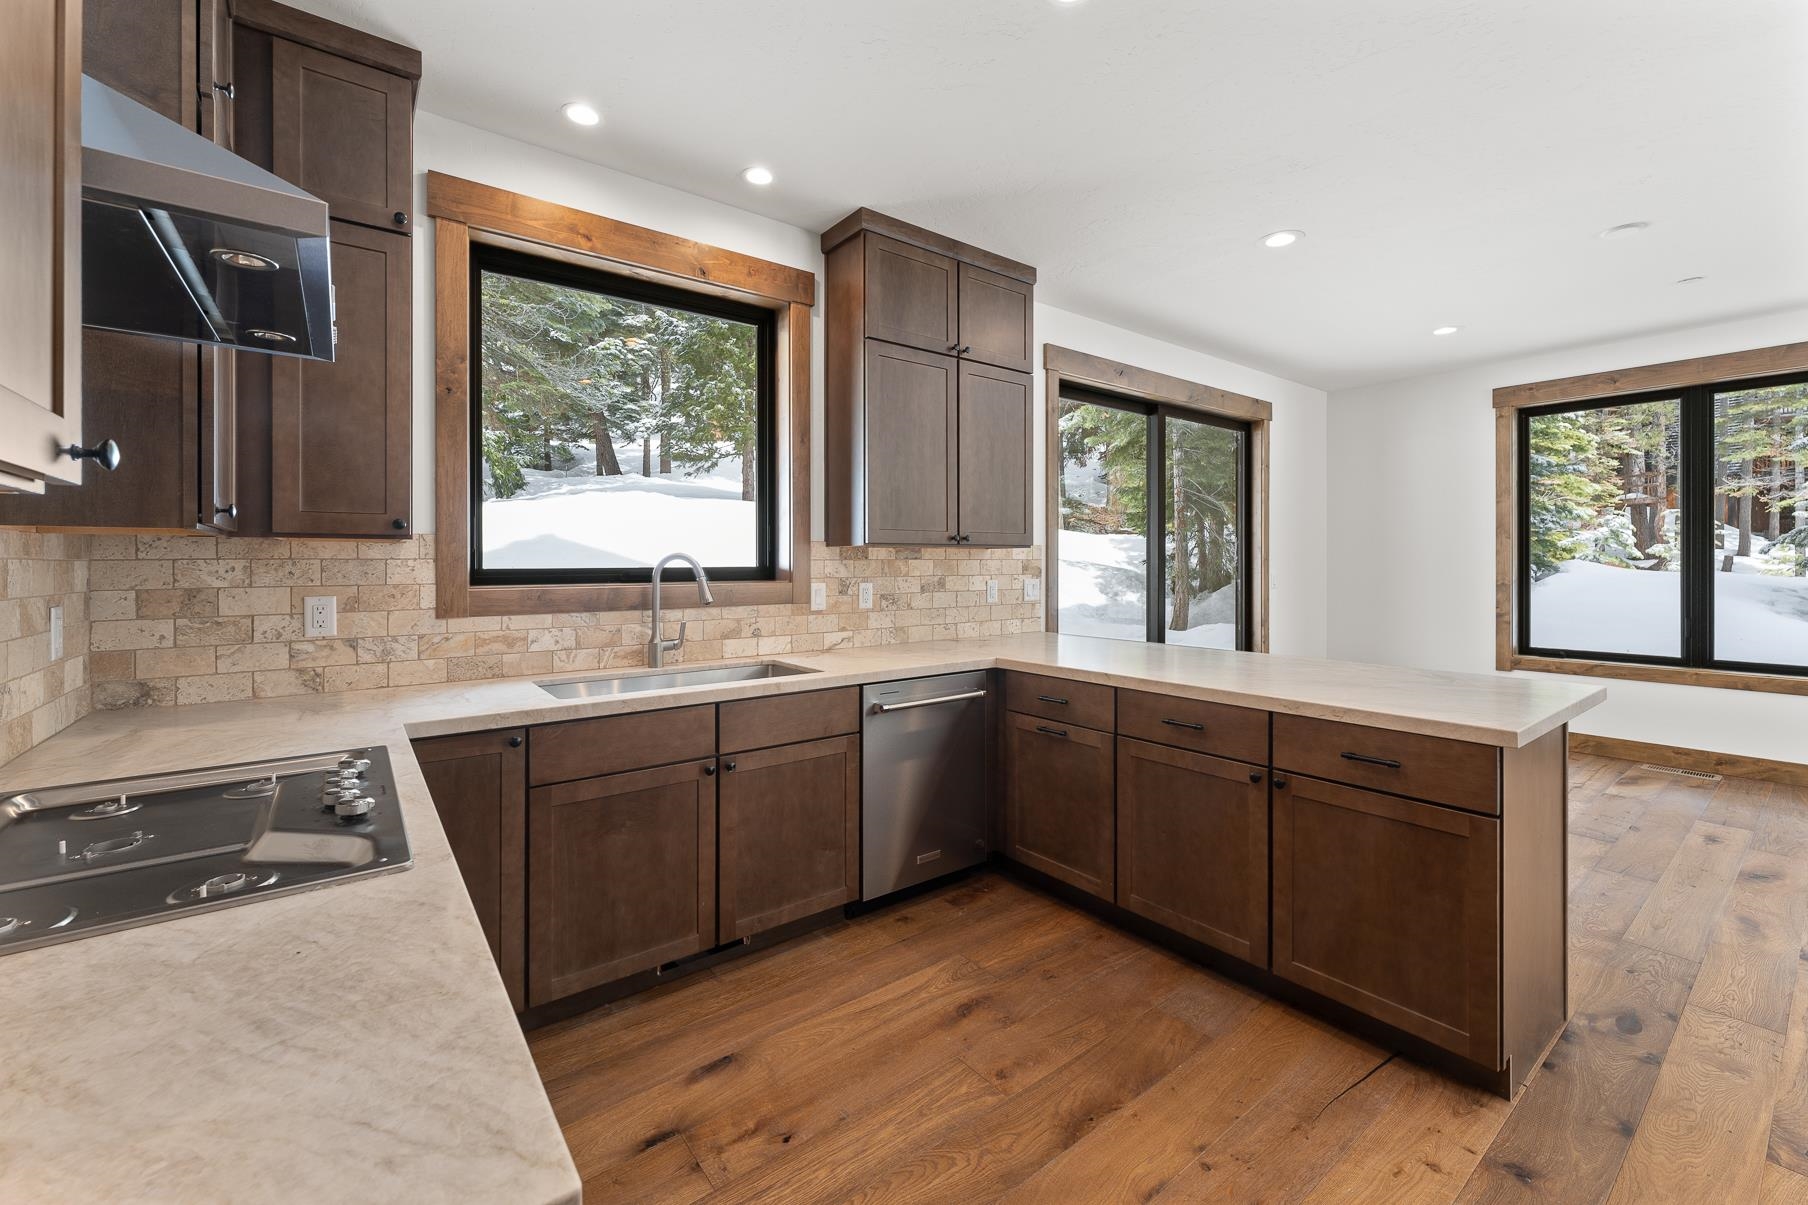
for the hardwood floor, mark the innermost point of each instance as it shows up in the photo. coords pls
(988, 1043)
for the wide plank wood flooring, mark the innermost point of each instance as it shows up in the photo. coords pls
(985, 1043)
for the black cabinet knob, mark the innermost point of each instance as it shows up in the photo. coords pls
(230, 510)
(1280, 783)
(399, 524)
(401, 219)
(514, 742)
(226, 90)
(105, 454)
(709, 771)
(728, 765)
(1255, 778)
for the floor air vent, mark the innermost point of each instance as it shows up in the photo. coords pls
(1679, 772)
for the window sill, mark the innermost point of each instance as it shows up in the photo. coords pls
(1676, 675)
(558, 600)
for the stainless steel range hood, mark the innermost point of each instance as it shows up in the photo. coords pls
(182, 239)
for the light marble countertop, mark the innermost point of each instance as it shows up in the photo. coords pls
(355, 1043)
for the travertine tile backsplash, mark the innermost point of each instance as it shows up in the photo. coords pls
(198, 619)
(38, 696)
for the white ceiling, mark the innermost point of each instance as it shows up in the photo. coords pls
(1451, 161)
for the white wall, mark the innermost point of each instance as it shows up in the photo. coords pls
(1410, 516)
(1297, 456)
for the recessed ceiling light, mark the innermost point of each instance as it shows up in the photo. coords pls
(1689, 280)
(1624, 230)
(756, 174)
(579, 113)
(1445, 330)
(1283, 238)
(1066, 3)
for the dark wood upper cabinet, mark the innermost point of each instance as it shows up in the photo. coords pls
(995, 417)
(621, 876)
(1192, 846)
(790, 833)
(1391, 907)
(340, 432)
(479, 787)
(912, 295)
(912, 474)
(995, 318)
(345, 132)
(1060, 816)
(914, 320)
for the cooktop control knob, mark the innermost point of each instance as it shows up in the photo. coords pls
(352, 810)
(356, 765)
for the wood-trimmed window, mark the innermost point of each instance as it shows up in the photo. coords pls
(1180, 474)
(588, 249)
(1652, 523)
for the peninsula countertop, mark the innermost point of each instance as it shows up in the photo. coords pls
(355, 1043)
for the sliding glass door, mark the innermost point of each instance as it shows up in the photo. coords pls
(1152, 537)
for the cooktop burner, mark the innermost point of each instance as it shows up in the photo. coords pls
(86, 859)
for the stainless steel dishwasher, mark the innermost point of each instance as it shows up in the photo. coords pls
(922, 780)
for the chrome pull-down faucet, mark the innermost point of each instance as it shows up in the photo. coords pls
(658, 647)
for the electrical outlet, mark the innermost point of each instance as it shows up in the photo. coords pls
(1032, 589)
(819, 596)
(866, 596)
(991, 590)
(56, 633)
(320, 616)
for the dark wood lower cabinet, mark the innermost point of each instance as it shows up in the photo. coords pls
(790, 827)
(1059, 812)
(479, 787)
(1192, 845)
(1391, 907)
(621, 876)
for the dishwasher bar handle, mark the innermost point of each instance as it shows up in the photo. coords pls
(882, 708)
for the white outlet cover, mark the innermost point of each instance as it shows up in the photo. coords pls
(866, 596)
(320, 615)
(56, 633)
(991, 590)
(819, 596)
(1032, 589)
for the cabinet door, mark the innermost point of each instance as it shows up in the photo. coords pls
(621, 876)
(790, 833)
(339, 432)
(995, 319)
(910, 445)
(912, 295)
(1059, 812)
(479, 787)
(40, 251)
(344, 132)
(1192, 846)
(994, 468)
(1393, 908)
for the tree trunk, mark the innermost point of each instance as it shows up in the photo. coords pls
(1745, 511)
(607, 464)
(1773, 505)
(749, 474)
(1180, 567)
(545, 464)
(665, 393)
(646, 455)
(665, 457)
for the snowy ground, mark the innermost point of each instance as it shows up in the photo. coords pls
(1103, 594)
(573, 519)
(1600, 608)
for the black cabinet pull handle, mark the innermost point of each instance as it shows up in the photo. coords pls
(1060, 732)
(514, 742)
(954, 539)
(1051, 699)
(966, 349)
(728, 765)
(401, 219)
(1184, 724)
(104, 453)
(1255, 778)
(226, 90)
(954, 347)
(1366, 760)
(399, 524)
(230, 510)
(709, 771)
(1279, 783)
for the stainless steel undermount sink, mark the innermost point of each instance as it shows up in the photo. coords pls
(638, 683)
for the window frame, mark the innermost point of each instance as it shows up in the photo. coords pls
(1694, 383)
(508, 261)
(1078, 376)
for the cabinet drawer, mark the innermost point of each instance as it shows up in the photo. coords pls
(1081, 703)
(1216, 728)
(588, 748)
(1459, 773)
(786, 719)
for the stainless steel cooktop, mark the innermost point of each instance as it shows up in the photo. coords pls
(86, 859)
